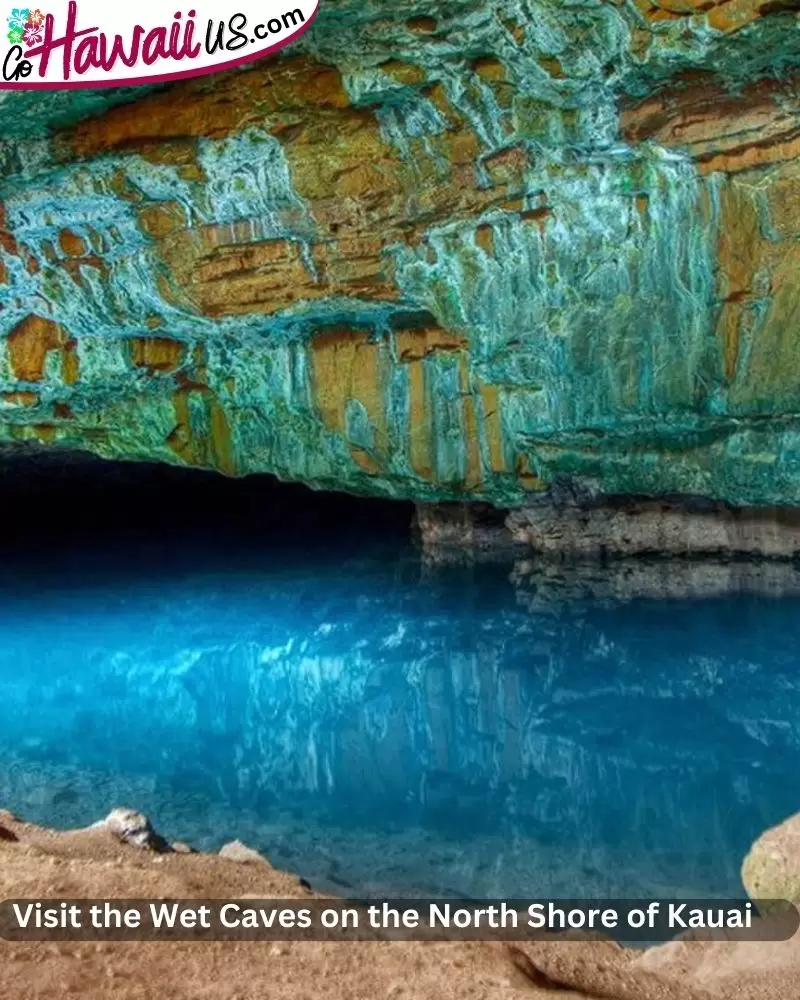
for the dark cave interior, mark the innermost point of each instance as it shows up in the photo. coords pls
(66, 503)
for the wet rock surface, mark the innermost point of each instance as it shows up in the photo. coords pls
(574, 529)
(439, 252)
(655, 528)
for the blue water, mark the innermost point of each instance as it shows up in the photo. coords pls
(382, 727)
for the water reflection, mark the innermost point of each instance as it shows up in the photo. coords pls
(386, 727)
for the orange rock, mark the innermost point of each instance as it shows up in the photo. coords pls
(722, 131)
(29, 343)
(156, 354)
(193, 108)
(71, 244)
(22, 397)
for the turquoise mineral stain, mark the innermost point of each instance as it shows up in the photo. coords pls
(594, 316)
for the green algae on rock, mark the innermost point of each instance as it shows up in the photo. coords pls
(449, 251)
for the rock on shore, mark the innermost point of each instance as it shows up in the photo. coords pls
(772, 868)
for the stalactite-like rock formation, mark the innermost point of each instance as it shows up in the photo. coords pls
(438, 251)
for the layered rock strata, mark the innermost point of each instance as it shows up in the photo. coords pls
(443, 252)
(617, 527)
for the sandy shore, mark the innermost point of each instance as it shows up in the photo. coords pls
(96, 863)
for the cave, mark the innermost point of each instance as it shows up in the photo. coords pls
(250, 658)
(401, 477)
(57, 505)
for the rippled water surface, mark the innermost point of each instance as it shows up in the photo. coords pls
(383, 727)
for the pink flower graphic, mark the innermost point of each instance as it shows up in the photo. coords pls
(32, 34)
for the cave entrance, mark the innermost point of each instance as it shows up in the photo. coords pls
(60, 502)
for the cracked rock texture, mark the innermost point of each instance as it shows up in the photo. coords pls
(443, 251)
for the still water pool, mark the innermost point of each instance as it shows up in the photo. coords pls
(382, 727)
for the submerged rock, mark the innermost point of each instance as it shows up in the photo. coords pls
(545, 586)
(441, 252)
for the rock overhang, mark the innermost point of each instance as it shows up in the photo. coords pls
(449, 252)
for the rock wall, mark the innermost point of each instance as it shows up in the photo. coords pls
(438, 251)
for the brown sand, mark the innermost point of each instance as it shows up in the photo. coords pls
(94, 864)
